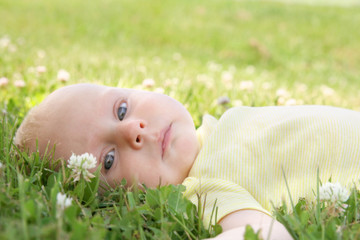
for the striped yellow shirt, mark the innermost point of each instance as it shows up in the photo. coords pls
(245, 153)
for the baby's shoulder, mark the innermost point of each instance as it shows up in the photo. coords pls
(284, 113)
(300, 109)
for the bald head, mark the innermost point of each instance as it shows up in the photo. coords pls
(52, 122)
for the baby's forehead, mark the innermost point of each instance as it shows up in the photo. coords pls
(66, 115)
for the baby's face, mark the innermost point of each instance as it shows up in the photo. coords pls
(136, 135)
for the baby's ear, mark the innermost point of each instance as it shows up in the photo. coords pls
(18, 140)
(20, 145)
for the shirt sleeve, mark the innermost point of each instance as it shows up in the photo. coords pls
(219, 198)
(206, 128)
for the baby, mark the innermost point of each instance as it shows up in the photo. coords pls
(239, 162)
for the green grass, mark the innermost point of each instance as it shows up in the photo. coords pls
(188, 48)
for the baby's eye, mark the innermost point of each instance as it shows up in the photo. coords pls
(122, 111)
(109, 160)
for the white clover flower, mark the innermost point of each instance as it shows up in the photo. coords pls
(281, 101)
(148, 83)
(19, 83)
(246, 85)
(250, 69)
(327, 91)
(62, 201)
(301, 87)
(5, 42)
(3, 81)
(282, 92)
(203, 78)
(237, 103)
(12, 48)
(81, 164)
(227, 76)
(213, 66)
(63, 75)
(159, 90)
(41, 54)
(266, 85)
(1, 165)
(333, 192)
(41, 69)
(232, 69)
(290, 102)
(17, 76)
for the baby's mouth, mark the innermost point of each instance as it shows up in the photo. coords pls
(166, 135)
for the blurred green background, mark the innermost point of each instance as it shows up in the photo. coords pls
(255, 53)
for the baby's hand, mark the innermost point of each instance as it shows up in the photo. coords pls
(235, 233)
(234, 226)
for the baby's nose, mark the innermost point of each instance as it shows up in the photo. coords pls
(134, 132)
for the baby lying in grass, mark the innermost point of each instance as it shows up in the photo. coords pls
(240, 162)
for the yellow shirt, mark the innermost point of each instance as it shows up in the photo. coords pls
(245, 155)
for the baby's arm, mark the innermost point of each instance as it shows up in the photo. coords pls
(234, 225)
